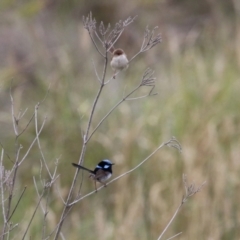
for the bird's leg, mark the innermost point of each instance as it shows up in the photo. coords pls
(114, 74)
(104, 184)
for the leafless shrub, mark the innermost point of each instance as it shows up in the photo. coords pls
(8, 177)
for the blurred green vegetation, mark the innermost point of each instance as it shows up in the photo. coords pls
(197, 69)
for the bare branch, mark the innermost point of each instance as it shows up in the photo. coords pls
(20, 114)
(124, 174)
(39, 200)
(38, 141)
(38, 194)
(99, 38)
(62, 236)
(2, 173)
(117, 31)
(144, 96)
(24, 129)
(103, 31)
(60, 196)
(11, 228)
(175, 235)
(55, 171)
(190, 191)
(175, 144)
(171, 220)
(5, 152)
(90, 24)
(34, 140)
(17, 203)
(95, 44)
(146, 80)
(14, 120)
(150, 40)
(95, 70)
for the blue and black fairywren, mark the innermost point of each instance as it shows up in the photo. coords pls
(101, 173)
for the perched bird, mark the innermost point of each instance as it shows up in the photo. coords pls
(101, 173)
(119, 61)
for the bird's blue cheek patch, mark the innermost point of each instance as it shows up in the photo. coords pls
(106, 166)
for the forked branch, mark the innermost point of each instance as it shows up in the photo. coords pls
(103, 34)
(173, 140)
(190, 190)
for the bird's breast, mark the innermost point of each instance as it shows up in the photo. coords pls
(119, 62)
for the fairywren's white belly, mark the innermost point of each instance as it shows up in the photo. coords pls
(105, 177)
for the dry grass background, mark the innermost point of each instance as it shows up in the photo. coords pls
(197, 68)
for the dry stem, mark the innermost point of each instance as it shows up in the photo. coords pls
(190, 190)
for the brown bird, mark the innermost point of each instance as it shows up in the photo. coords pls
(119, 61)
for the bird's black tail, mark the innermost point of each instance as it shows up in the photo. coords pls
(79, 166)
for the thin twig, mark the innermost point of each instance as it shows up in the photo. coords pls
(90, 24)
(66, 214)
(119, 35)
(17, 203)
(38, 140)
(24, 235)
(150, 94)
(13, 117)
(60, 195)
(34, 140)
(100, 40)
(115, 34)
(175, 235)
(45, 214)
(190, 191)
(15, 168)
(2, 191)
(95, 70)
(171, 220)
(20, 115)
(121, 101)
(61, 234)
(6, 152)
(38, 194)
(11, 228)
(149, 41)
(24, 129)
(147, 76)
(108, 81)
(95, 44)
